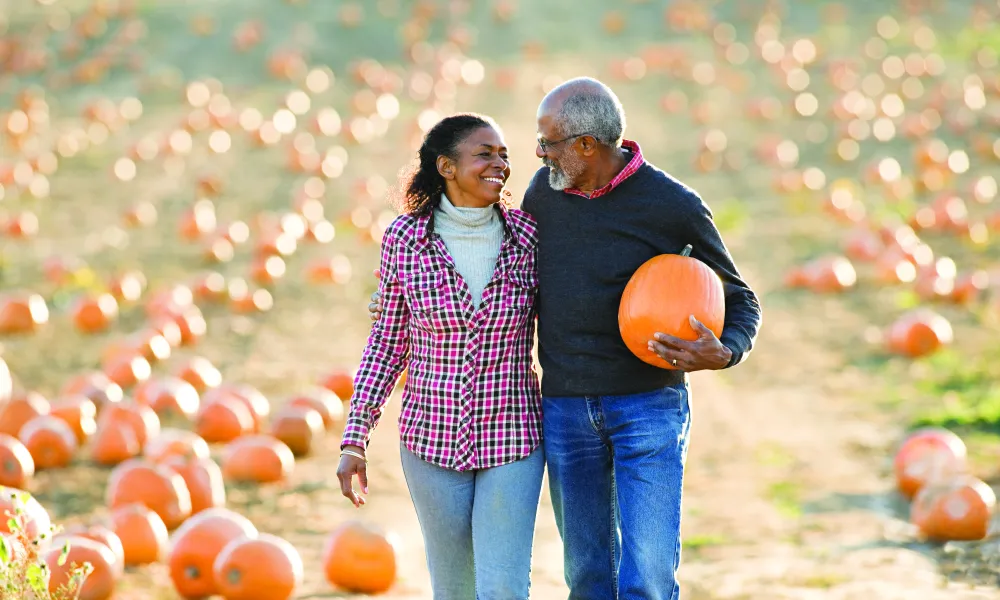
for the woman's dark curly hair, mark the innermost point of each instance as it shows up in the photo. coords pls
(422, 185)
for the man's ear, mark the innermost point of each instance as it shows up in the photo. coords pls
(588, 145)
(446, 167)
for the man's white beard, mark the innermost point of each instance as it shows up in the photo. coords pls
(561, 179)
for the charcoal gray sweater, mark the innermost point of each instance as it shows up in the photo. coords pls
(589, 248)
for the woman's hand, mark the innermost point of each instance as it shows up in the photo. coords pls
(349, 467)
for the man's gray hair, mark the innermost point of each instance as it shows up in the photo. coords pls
(596, 111)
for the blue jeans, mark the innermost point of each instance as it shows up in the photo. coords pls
(616, 468)
(478, 526)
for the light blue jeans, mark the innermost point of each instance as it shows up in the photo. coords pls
(616, 468)
(478, 526)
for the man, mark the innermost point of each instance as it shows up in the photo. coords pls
(615, 428)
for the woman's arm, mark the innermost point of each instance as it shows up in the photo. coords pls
(386, 354)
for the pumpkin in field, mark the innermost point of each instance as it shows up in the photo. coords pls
(21, 409)
(79, 412)
(956, 509)
(99, 534)
(142, 532)
(359, 558)
(223, 420)
(36, 519)
(114, 443)
(154, 486)
(262, 567)
(22, 313)
(340, 382)
(255, 401)
(661, 296)
(106, 570)
(92, 314)
(197, 543)
(926, 455)
(918, 333)
(171, 441)
(299, 427)
(257, 458)
(139, 418)
(328, 404)
(204, 480)
(16, 464)
(50, 441)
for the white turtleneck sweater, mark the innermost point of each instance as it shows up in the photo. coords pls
(473, 237)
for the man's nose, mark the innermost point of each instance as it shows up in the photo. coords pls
(538, 150)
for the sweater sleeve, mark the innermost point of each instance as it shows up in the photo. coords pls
(743, 313)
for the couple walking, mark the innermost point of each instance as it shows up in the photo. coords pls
(463, 278)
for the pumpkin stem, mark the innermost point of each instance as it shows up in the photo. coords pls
(687, 250)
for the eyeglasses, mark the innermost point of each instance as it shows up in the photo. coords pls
(545, 144)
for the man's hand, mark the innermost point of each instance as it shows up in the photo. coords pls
(348, 468)
(375, 308)
(704, 353)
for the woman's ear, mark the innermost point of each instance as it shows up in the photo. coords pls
(446, 167)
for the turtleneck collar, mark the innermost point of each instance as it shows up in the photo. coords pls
(465, 216)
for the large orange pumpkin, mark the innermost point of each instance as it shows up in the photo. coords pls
(299, 427)
(262, 567)
(223, 420)
(359, 558)
(16, 464)
(21, 409)
(50, 441)
(172, 441)
(139, 418)
(36, 519)
(100, 534)
(94, 385)
(106, 570)
(661, 296)
(197, 543)
(154, 486)
(114, 443)
(328, 404)
(254, 400)
(79, 412)
(918, 333)
(143, 535)
(956, 509)
(204, 480)
(928, 454)
(257, 458)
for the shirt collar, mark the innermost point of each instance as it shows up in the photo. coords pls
(633, 165)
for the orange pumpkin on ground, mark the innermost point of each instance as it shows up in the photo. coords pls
(200, 373)
(340, 382)
(154, 486)
(223, 420)
(50, 441)
(661, 296)
(918, 333)
(139, 418)
(99, 534)
(957, 509)
(262, 567)
(172, 442)
(257, 458)
(328, 404)
(93, 314)
(204, 480)
(142, 532)
(114, 443)
(361, 559)
(254, 400)
(299, 427)
(21, 409)
(197, 543)
(16, 465)
(36, 519)
(104, 576)
(79, 412)
(22, 313)
(926, 455)
(172, 396)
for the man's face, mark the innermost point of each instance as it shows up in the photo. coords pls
(565, 164)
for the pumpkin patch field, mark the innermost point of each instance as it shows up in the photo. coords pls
(192, 195)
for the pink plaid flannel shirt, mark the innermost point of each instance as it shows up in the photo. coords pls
(471, 399)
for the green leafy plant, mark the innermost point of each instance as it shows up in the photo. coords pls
(23, 572)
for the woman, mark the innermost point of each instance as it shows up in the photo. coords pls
(458, 287)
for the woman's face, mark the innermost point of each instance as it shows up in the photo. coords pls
(478, 176)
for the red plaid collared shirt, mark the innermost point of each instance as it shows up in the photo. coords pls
(633, 165)
(471, 399)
